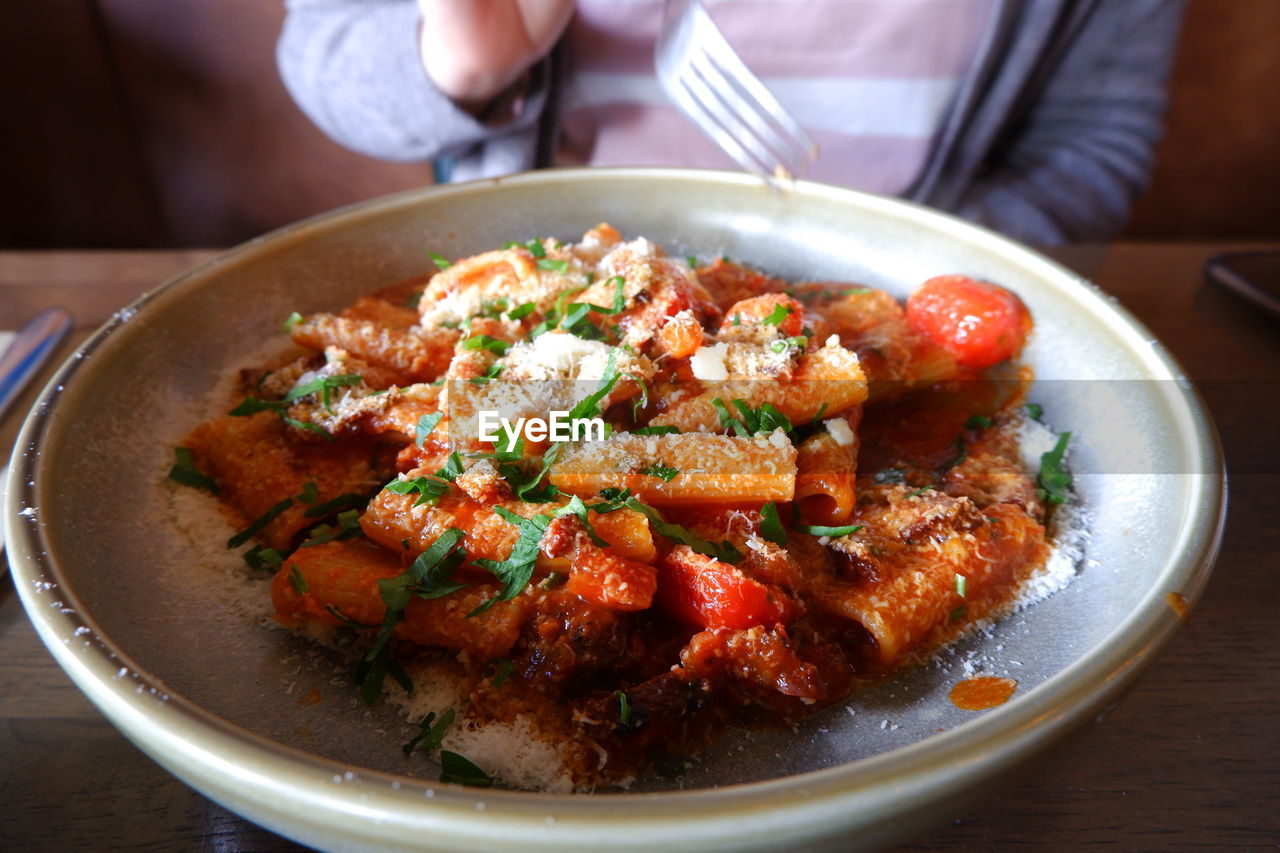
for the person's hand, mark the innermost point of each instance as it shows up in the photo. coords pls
(474, 49)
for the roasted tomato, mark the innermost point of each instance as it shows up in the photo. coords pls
(980, 324)
(703, 591)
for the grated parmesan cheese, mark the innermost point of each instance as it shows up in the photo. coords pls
(708, 363)
(840, 431)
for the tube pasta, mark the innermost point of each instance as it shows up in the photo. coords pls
(826, 479)
(672, 470)
(418, 357)
(685, 527)
(392, 521)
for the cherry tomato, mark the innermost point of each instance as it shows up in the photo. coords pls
(703, 591)
(980, 324)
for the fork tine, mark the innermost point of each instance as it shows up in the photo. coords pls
(709, 83)
(761, 135)
(707, 36)
(692, 98)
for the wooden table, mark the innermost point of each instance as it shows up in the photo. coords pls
(1190, 759)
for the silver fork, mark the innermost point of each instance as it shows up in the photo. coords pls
(709, 83)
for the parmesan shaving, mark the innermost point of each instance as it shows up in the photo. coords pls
(708, 363)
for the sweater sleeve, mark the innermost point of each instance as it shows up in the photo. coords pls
(353, 68)
(1070, 171)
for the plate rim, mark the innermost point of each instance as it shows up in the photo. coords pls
(935, 764)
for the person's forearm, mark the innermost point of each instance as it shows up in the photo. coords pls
(474, 50)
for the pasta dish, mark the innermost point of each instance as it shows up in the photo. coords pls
(631, 499)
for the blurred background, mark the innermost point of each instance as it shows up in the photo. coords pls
(163, 124)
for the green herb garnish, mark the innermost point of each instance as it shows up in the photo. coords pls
(771, 525)
(292, 320)
(264, 559)
(1054, 479)
(824, 530)
(799, 342)
(502, 670)
(656, 430)
(184, 471)
(432, 732)
(624, 709)
(345, 526)
(429, 489)
(553, 265)
(491, 373)
(439, 260)
(666, 472)
(426, 425)
(262, 521)
(978, 422)
(297, 581)
(779, 313)
(516, 570)
(486, 342)
(748, 421)
(459, 770)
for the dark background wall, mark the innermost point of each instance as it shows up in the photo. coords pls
(151, 123)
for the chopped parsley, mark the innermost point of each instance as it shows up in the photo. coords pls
(691, 261)
(486, 342)
(517, 569)
(1054, 479)
(429, 576)
(264, 559)
(534, 247)
(978, 422)
(771, 525)
(779, 313)
(432, 732)
(184, 471)
(491, 373)
(429, 489)
(452, 468)
(824, 530)
(624, 709)
(799, 342)
(589, 406)
(666, 472)
(525, 484)
(553, 265)
(524, 309)
(439, 260)
(748, 421)
(656, 430)
(459, 770)
(615, 499)
(322, 386)
(345, 526)
(502, 670)
(426, 425)
(1035, 410)
(259, 523)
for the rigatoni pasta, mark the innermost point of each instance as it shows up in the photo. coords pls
(778, 487)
